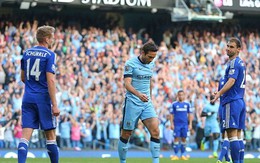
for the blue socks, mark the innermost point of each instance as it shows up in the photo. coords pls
(176, 147)
(22, 150)
(224, 151)
(122, 149)
(242, 150)
(235, 148)
(155, 149)
(52, 151)
(51, 147)
(183, 148)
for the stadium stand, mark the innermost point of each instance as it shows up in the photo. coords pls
(90, 57)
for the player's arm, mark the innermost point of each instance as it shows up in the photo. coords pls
(171, 121)
(22, 76)
(130, 88)
(52, 92)
(226, 87)
(151, 88)
(50, 75)
(22, 71)
(190, 117)
(205, 114)
(51, 87)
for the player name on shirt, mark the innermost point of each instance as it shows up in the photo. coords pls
(36, 53)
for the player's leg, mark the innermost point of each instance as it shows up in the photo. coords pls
(122, 144)
(176, 144)
(205, 139)
(184, 131)
(131, 115)
(224, 142)
(216, 136)
(231, 118)
(224, 147)
(152, 124)
(242, 120)
(29, 121)
(23, 144)
(242, 146)
(51, 145)
(48, 124)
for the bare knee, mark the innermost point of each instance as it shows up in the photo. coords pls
(176, 139)
(231, 132)
(50, 134)
(183, 140)
(155, 133)
(125, 134)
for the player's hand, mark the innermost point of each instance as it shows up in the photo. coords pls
(55, 111)
(217, 95)
(143, 97)
(190, 127)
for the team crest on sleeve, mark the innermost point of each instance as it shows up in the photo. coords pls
(231, 72)
(53, 67)
(128, 124)
(128, 68)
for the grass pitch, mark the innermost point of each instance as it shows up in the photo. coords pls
(115, 160)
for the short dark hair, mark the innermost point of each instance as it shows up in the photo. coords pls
(179, 91)
(235, 40)
(149, 46)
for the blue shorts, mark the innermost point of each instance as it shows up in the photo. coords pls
(180, 131)
(34, 115)
(234, 115)
(220, 115)
(211, 128)
(132, 113)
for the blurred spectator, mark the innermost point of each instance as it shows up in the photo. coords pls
(256, 135)
(114, 132)
(140, 136)
(17, 131)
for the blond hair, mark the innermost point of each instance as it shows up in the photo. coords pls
(43, 32)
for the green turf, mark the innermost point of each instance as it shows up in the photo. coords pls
(115, 160)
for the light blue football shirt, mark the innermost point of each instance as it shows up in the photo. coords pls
(141, 74)
(211, 120)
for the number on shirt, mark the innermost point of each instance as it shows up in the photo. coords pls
(35, 71)
(243, 81)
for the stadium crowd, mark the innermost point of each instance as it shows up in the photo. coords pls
(90, 88)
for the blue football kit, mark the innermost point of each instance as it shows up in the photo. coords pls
(36, 106)
(134, 108)
(180, 111)
(232, 100)
(222, 82)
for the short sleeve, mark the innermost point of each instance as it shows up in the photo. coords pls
(51, 64)
(233, 71)
(128, 71)
(172, 109)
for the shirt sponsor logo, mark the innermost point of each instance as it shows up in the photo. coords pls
(181, 109)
